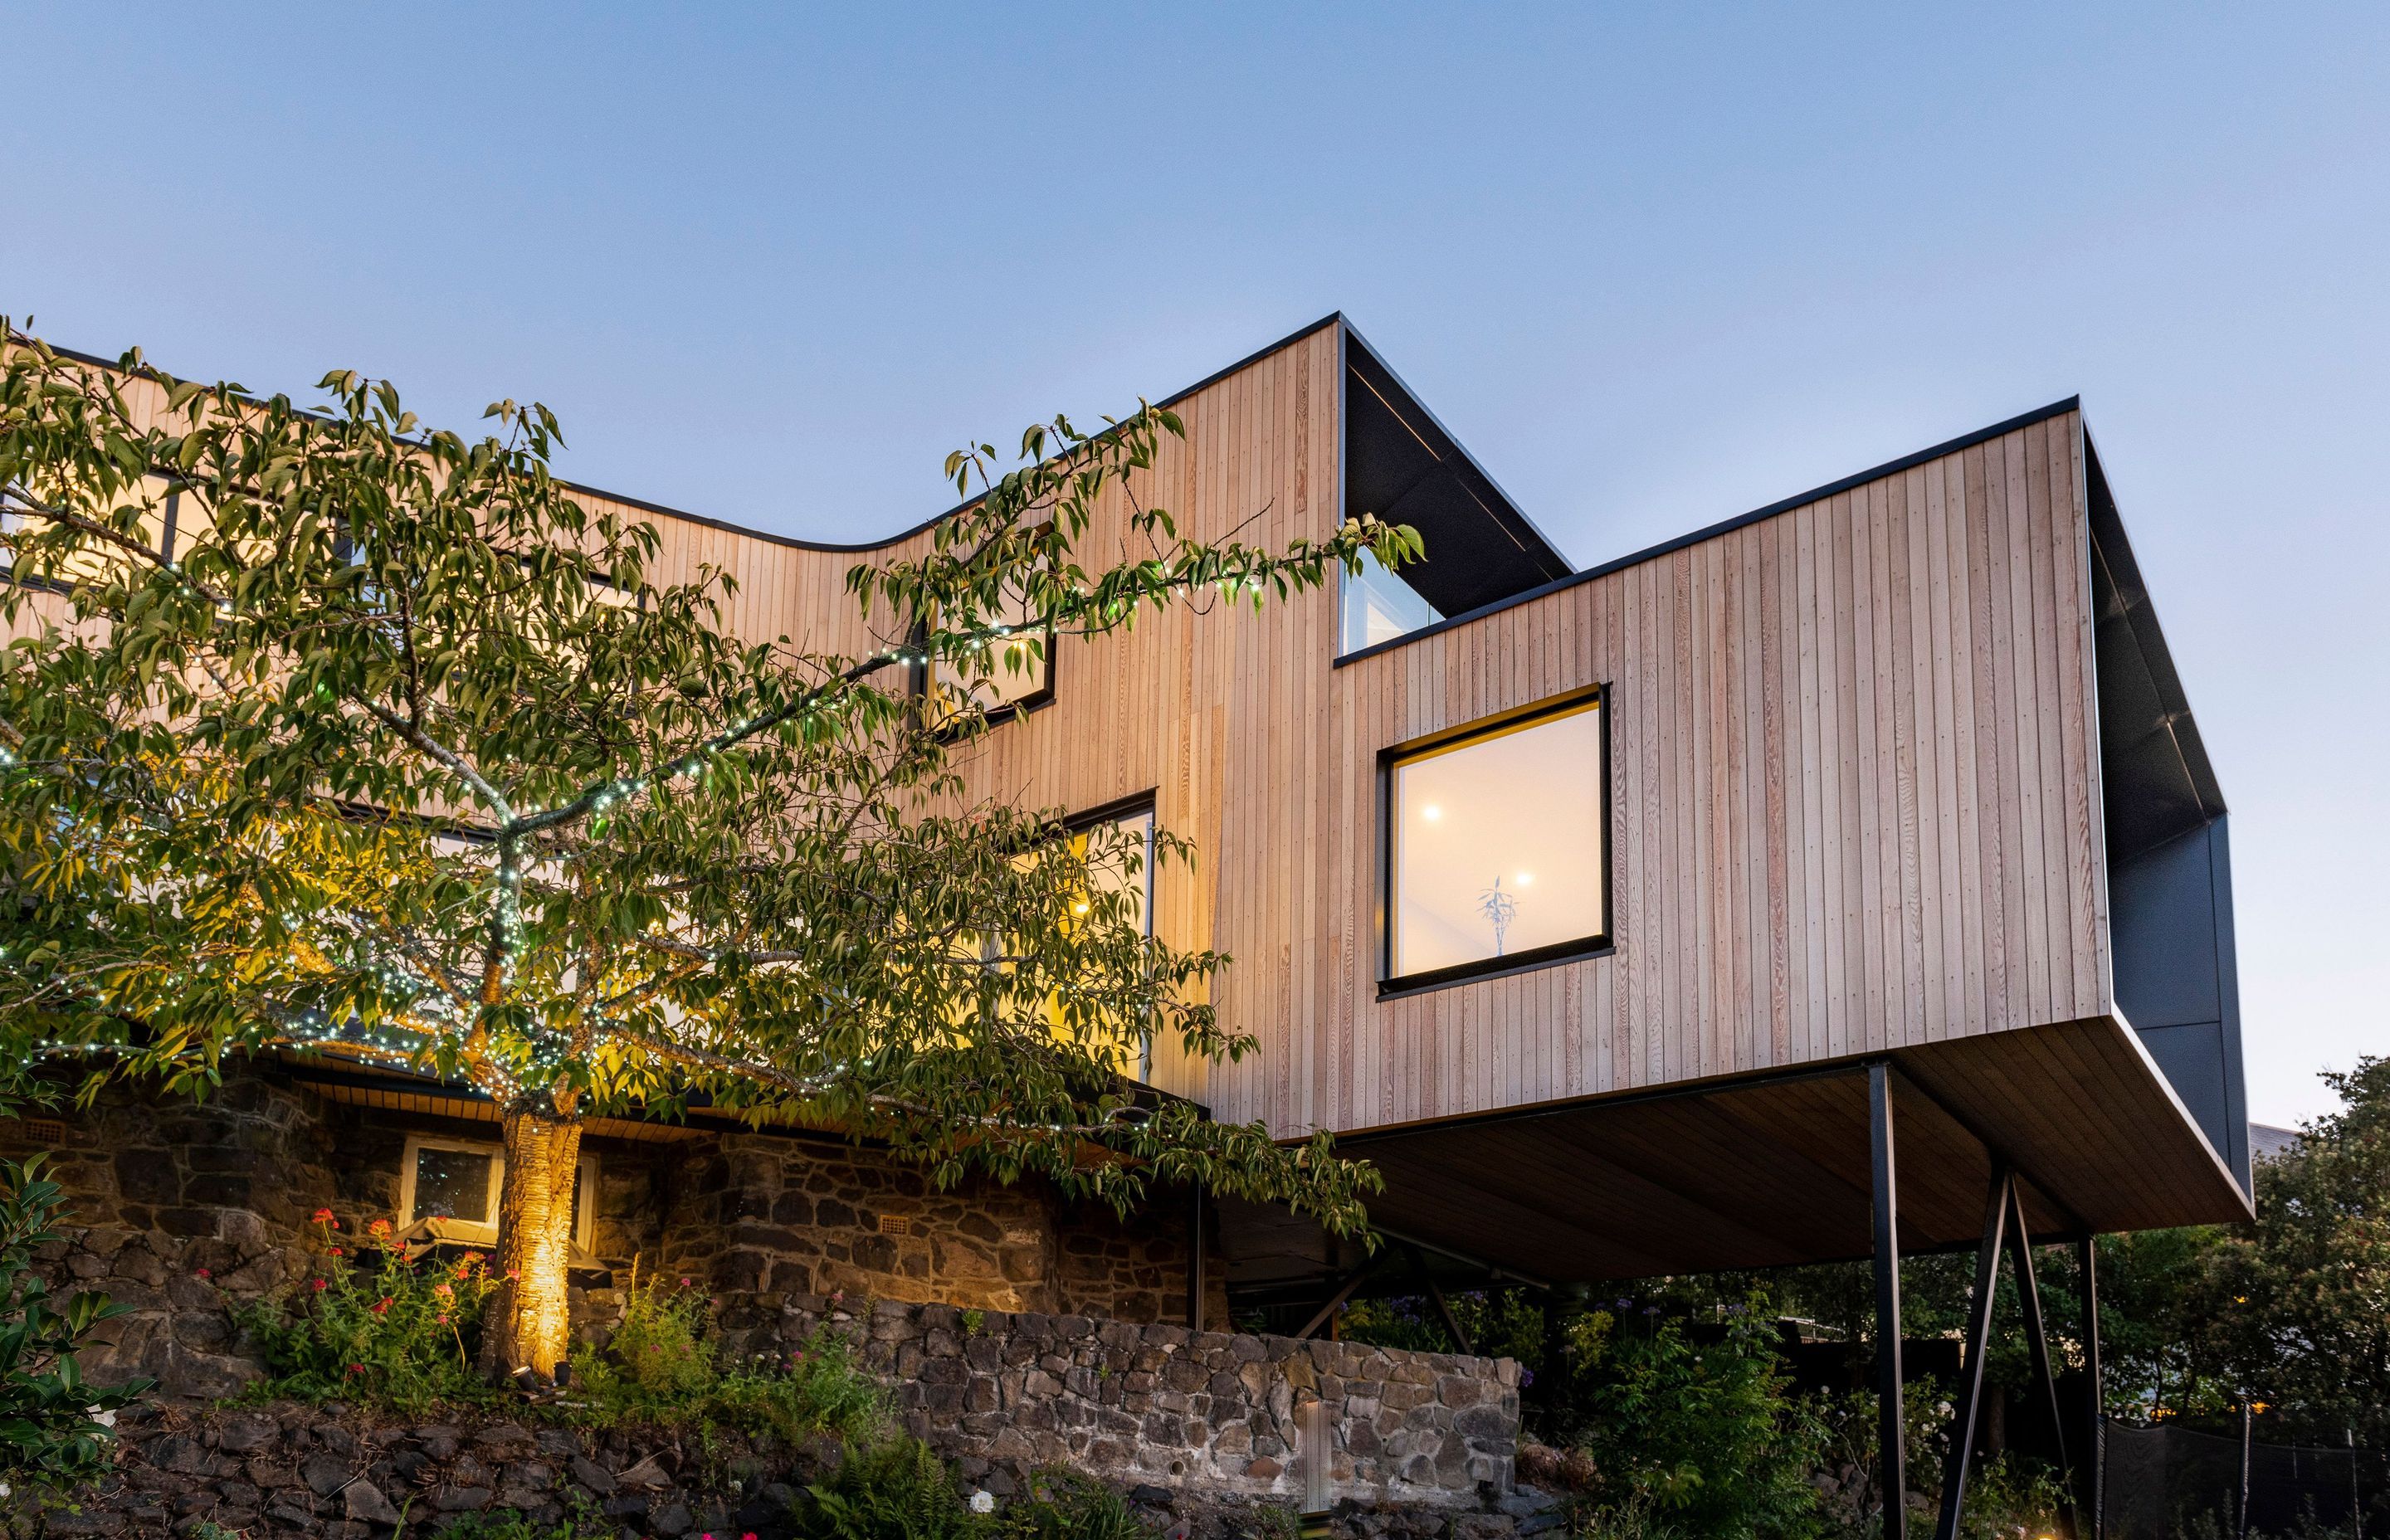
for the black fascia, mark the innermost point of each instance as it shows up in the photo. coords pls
(2159, 780)
(1399, 462)
(1724, 526)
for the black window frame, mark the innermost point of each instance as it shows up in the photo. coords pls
(1393, 986)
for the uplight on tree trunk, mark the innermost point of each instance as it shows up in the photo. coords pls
(531, 1319)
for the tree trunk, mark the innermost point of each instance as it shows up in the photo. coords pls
(530, 1314)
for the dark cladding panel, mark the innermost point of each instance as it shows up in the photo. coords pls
(2169, 860)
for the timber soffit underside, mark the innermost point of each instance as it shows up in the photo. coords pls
(1773, 1170)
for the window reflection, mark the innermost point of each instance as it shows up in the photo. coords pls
(454, 1183)
(1497, 845)
(1379, 607)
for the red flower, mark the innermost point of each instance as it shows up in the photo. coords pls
(356, 1368)
(381, 1307)
(338, 1253)
(378, 1227)
(324, 1217)
(204, 1272)
(514, 1273)
(321, 1284)
(442, 1319)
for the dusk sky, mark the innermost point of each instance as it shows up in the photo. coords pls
(1653, 269)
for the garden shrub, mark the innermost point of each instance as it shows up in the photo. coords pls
(1692, 1438)
(894, 1490)
(387, 1329)
(1066, 1505)
(509, 1524)
(663, 1369)
(55, 1430)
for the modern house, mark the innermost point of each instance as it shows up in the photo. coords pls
(1666, 915)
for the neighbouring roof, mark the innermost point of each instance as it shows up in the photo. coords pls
(2265, 1141)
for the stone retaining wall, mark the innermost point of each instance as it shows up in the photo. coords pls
(1212, 1412)
(283, 1471)
(181, 1209)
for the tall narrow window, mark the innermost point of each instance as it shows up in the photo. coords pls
(1013, 672)
(1495, 846)
(1120, 851)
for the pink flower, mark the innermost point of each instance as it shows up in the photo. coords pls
(442, 1318)
(514, 1273)
(685, 1282)
(444, 1290)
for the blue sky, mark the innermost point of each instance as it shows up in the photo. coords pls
(1654, 268)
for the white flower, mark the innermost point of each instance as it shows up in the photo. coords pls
(982, 1502)
(106, 1419)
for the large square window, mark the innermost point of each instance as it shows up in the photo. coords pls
(1495, 850)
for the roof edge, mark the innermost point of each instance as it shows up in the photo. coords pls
(832, 547)
(1724, 526)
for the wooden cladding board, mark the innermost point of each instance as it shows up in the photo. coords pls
(1853, 777)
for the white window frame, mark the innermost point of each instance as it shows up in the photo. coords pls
(585, 1217)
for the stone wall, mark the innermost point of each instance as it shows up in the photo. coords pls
(185, 1211)
(764, 1218)
(1212, 1412)
(289, 1472)
(176, 1208)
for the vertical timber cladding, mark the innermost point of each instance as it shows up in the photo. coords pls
(1854, 787)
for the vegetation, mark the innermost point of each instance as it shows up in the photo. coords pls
(663, 1368)
(406, 753)
(379, 1326)
(1699, 1438)
(55, 1430)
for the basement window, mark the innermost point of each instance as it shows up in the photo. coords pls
(448, 1190)
(1495, 851)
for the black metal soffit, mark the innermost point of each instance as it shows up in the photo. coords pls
(2158, 780)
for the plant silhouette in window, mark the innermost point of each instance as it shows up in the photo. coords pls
(1499, 908)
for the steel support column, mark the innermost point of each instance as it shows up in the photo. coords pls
(1345, 1287)
(1195, 1281)
(1452, 1327)
(1966, 1423)
(2037, 1343)
(2095, 1459)
(1893, 1456)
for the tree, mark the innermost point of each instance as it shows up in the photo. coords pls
(404, 754)
(2295, 1308)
